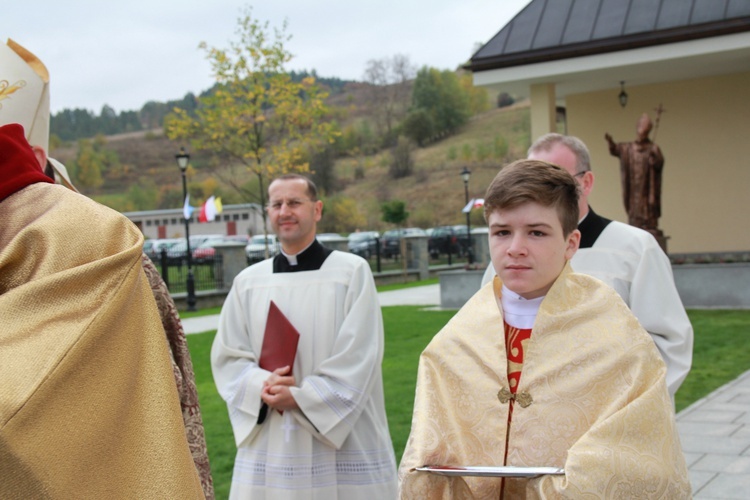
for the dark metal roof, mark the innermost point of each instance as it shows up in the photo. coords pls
(547, 30)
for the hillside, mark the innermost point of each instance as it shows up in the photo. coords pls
(143, 155)
(434, 192)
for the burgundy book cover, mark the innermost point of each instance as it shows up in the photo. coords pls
(279, 341)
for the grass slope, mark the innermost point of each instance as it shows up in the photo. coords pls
(434, 193)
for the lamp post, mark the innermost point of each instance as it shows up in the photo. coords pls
(182, 161)
(465, 175)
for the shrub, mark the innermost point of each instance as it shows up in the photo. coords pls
(402, 163)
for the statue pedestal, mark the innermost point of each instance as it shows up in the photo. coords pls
(660, 238)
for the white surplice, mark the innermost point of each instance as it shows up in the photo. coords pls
(337, 445)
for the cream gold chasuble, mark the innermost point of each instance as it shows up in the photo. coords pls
(594, 402)
(88, 404)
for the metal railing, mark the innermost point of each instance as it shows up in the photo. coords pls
(207, 271)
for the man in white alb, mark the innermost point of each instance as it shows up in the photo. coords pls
(317, 429)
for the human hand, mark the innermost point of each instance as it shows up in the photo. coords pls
(279, 377)
(276, 393)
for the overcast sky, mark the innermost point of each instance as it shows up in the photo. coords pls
(125, 53)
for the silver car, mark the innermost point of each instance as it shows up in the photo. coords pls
(256, 248)
(364, 243)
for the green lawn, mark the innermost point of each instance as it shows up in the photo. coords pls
(721, 353)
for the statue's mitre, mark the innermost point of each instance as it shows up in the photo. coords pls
(24, 92)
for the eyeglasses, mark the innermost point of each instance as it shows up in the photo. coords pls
(293, 204)
(580, 174)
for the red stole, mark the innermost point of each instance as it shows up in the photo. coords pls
(515, 341)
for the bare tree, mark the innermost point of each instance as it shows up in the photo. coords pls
(390, 90)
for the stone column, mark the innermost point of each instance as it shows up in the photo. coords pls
(456, 287)
(233, 261)
(340, 243)
(480, 240)
(417, 255)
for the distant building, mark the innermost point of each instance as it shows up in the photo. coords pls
(245, 219)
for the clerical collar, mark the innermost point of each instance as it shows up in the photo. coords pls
(517, 311)
(309, 259)
(18, 165)
(293, 258)
(591, 226)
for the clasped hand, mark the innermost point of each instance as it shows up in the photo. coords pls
(276, 393)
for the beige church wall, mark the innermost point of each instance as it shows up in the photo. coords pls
(705, 137)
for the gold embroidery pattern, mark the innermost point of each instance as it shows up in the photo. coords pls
(6, 89)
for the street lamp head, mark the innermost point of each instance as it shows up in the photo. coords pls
(623, 96)
(183, 158)
(465, 174)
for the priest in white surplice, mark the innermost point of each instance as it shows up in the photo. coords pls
(318, 430)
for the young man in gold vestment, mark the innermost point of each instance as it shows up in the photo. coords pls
(543, 367)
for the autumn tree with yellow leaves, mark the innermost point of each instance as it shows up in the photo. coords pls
(257, 121)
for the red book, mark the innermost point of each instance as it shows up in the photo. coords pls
(279, 341)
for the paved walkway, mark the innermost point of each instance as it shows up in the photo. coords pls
(428, 295)
(714, 431)
(715, 436)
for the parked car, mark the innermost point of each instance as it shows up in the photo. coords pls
(328, 236)
(177, 253)
(206, 251)
(463, 238)
(197, 240)
(390, 243)
(364, 243)
(153, 250)
(147, 244)
(256, 248)
(444, 240)
(177, 249)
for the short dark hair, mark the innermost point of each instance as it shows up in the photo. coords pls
(312, 189)
(535, 181)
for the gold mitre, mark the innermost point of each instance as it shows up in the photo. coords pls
(24, 93)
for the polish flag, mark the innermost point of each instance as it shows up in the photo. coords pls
(210, 208)
(473, 203)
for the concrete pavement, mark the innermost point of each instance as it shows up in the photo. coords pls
(714, 431)
(428, 295)
(715, 437)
